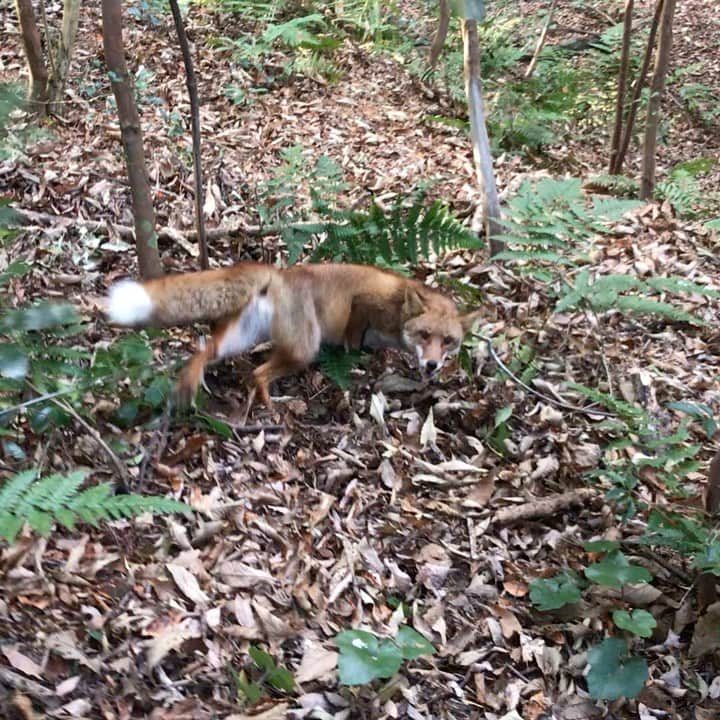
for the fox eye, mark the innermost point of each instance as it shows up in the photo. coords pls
(424, 335)
(448, 340)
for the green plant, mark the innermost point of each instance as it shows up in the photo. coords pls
(614, 672)
(276, 676)
(337, 364)
(57, 498)
(363, 657)
(682, 189)
(39, 356)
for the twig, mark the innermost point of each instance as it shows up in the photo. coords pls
(35, 400)
(540, 42)
(114, 459)
(157, 445)
(195, 118)
(125, 231)
(542, 396)
(544, 507)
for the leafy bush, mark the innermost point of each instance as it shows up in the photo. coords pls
(58, 498)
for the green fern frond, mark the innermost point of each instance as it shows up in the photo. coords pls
(337, 364)
(57, 498)
(633, 415)
(680, 286)
(643, 305)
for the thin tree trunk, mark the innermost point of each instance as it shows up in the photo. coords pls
(637, 90)
(131, 133)
(63, 54)
(195, 114)
(480, 141)
(622, 82)
(441, 34)
(37, 95)
(541, 41)
(657, 86)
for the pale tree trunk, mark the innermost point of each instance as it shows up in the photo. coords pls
(63, 54)
(637, 90)
(541, 41)
(441, 34)
(480, 140)
(622, 82)
(37, 96)
(132, 140)
(657, 86)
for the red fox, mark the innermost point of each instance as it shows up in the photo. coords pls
(297, 308)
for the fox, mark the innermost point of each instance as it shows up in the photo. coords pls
(296, 309)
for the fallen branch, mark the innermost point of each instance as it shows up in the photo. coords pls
(541, 41)
(33, 218)
(544, 507)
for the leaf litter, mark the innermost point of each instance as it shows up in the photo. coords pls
(389, 492)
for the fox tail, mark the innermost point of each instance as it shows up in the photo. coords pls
(182, 299)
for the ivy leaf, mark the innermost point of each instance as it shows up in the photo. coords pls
(638, 622)
(614, 673)
(412, 644)
(555, 592)
(614, 570)
(363, 658)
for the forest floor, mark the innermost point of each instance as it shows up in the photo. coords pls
(324, 515)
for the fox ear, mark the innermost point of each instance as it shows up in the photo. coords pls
(413, 305)
(468, 320)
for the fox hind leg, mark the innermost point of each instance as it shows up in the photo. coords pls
(233, 336)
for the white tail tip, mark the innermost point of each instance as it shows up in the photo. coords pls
(129, 303)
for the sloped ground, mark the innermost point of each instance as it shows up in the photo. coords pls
(326, 517)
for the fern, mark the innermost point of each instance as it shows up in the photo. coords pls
(337, 364)
(631, 414)
(58, 498)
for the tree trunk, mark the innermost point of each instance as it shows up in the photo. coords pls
(37, 95)
(131, 133)
(637, 90)
(195, 114)
(441, 34)
(622, 81)
(657, 86)
(63, 54)
(480, 140)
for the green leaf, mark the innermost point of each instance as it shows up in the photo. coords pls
(14, 362)
(262, 659)
(363, 658)
(614, 673)
(555, 592)
(601, 546)
(251, 690)
(502, 415)
(412, 644)
(638, 622)
(614, 570)
(281, 679)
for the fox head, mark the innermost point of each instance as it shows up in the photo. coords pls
(433, 328)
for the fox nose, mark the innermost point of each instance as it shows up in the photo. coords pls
(430, 367)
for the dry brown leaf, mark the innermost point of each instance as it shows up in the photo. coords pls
(21, 662)
(317, 663)
(187, 583)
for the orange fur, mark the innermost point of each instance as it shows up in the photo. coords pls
(297, 309)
